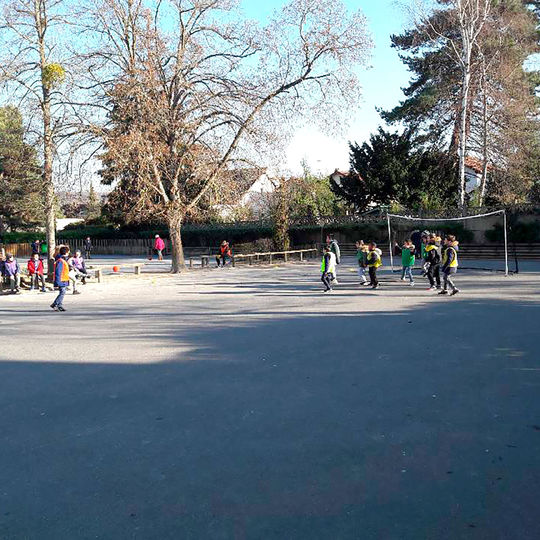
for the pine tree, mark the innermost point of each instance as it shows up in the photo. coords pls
(497, 121)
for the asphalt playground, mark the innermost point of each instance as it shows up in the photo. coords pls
(245, 404)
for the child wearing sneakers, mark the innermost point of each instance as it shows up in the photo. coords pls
(61, 278)
(374, 261)
(361, 257)
(408, 257)
(12, 273)
(328, 268)
(433, 262)
(449, 264)
(36, 273)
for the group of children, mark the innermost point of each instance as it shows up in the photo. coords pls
(369, 257)
(437, 257)
(67, 271)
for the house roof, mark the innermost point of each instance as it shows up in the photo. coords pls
(476, 164)
(342, 174)
(244, 178)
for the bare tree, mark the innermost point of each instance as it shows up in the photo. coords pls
(193, 90)
(32, 70)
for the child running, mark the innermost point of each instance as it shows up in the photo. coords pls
(374, 261)
(61, 278)
(36, 273)
(328, 268)
(449, 264)
(361, 256)
(334, 248)
(408, 258)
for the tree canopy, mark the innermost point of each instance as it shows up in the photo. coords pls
(21, 194)
(197, 91)
(495, 120)
(396, 168)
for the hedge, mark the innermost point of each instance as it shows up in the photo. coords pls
(209, 234)
(519, 233)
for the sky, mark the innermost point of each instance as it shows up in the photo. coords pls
(381, 83)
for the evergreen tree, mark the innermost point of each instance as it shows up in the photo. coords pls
(21, 199)
(394, 168)
(500, 123)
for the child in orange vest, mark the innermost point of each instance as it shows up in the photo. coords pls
(61, 278)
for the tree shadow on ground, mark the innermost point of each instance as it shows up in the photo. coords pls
(406, 424)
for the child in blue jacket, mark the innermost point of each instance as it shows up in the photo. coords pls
(12, 272)
(61, 278)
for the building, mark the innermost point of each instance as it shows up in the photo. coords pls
(250, 192)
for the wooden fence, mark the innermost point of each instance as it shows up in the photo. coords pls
(143, 247)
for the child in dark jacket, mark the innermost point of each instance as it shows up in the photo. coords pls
(450, 264)
(36, 272)
(433, 262)
(61, 278)
(12, 272)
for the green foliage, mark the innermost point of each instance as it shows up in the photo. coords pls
(501, 70)
(22, 237)
(21, 199)
(280, 217)
(53, 75)
(311, 197)
(519, 232)
(457, 229)
(394, 168)
(441, 227)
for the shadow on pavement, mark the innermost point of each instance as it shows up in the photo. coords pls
(386, 425)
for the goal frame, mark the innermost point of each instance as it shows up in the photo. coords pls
(441, 220)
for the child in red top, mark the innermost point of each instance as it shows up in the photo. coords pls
(225, 254)
(35, 269)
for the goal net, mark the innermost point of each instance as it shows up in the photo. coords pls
(476, 253)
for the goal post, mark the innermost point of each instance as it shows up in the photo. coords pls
(450, 219)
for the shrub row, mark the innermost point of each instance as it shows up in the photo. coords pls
(519, 233)
(212, 234)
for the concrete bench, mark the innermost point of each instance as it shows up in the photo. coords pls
(99, 271)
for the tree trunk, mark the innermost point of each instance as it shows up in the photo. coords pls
(463, 131)
(178, 263)
(41, 22)
(49, 193)
(485, 155)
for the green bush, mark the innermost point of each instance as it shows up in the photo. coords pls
(240, 233)
(22, 237)
(442, 228)
(519, 232)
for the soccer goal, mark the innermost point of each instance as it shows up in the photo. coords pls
(475, 254)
